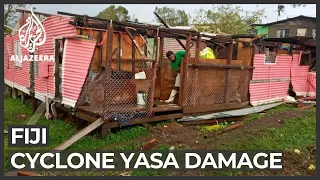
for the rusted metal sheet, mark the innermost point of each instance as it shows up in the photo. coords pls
(299, 76)
(270, 81)
(75, 65)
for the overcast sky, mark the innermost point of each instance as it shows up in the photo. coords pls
(144, 12)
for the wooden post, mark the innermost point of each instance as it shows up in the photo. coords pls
(197, 49)
(226, 89)
(109, 47)
(80, 124)
(183, 71)
(133, 57)
(154, 70)
(119, 52)
(10, 91)
(161, 51)
(104, 130)
(34, 103)
(15, 93)
(23, 98)
(230, 52)
(56, 67)
(146, 47)
(100, 48)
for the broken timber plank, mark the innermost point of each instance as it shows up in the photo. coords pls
(114, 124)
(79, 135)
(27, 173)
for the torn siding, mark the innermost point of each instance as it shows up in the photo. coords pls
(16, 76)
(299, 76)
(311, 84)
(270, 81)
(55, 26)
(76, 60)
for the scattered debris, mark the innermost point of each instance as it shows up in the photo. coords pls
(312, 167)
(171, 148)
(289, 100)
(307, 98)
(297, 151)
(171, 127)
(213, 128)
(150, 144)
(125, 174)
(229, 128)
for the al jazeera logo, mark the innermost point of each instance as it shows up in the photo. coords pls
(32, 35)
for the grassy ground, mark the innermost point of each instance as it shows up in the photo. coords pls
(297, 133)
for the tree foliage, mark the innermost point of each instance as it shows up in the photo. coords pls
(11, 16)
(227, 19)
(112, 12)
(172, 16)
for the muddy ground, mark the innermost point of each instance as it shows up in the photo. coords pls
(189, 137)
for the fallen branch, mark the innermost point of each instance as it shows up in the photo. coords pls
(229, 128)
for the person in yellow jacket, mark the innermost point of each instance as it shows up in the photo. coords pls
(175, 63)
(206, 52)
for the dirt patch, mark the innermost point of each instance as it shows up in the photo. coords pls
(251, 128)
(189, 137)
(294, 164)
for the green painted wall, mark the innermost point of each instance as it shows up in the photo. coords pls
(262, 30)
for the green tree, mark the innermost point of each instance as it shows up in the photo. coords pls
(172, 16)
(226, 19)
(112, 12)
(11, 16)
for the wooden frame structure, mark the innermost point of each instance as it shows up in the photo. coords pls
(90, 25)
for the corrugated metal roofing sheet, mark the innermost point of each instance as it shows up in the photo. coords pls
(274, 79)
(75, 65)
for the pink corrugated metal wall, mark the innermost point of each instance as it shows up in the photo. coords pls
(269, 82)
(299, 75)
(17, 77)
(77, 57)
(312, 86)
(8, 51)
(55, 26)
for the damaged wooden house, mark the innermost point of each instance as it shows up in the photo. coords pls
(107, 69)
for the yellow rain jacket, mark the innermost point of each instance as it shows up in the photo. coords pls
(207, 53)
